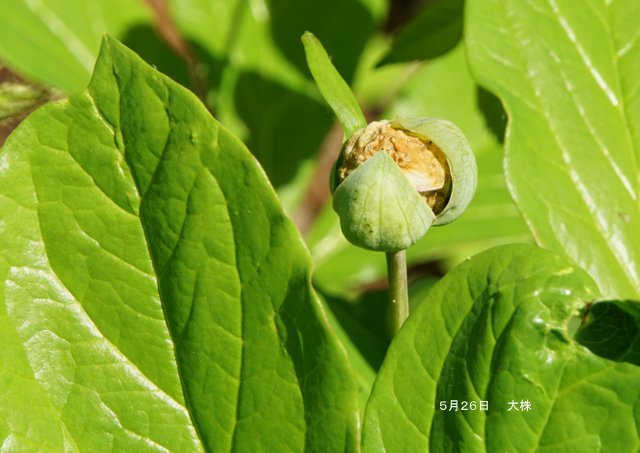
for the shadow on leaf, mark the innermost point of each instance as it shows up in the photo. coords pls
(611, 329)
(285, 127)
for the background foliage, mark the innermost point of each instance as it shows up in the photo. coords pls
(250, 71)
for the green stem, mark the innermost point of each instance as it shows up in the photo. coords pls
(398, 288)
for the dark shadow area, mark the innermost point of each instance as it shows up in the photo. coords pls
(611, 330)
(343, 27)
(318, 364)
(209, 70)
(144, 40)
(433, 32)
(401, 12)
(285, 127)
(494, 115)
(365, 322)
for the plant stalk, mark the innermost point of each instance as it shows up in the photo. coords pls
(398, 288)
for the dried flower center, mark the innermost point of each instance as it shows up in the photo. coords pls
(421, 160)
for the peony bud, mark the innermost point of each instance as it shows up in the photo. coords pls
(394, 179)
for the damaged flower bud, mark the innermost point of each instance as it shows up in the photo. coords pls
(395, 179)
(418, 157)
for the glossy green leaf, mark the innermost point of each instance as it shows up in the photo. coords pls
(57, 41)
(496, 329)
(433, 32)
(333, 87)
(567, 73)
(611, 329)
(154, 295)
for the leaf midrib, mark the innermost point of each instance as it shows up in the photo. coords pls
(142, 197)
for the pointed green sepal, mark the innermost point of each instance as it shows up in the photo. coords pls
(462, 162)
(378, 207)
(332, 86)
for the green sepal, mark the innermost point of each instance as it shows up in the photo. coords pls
(462, 162)
(378, 207)
(332, 86)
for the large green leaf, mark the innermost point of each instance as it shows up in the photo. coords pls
(154, 295)
(567, 73)
(497, 329)
(56, 41)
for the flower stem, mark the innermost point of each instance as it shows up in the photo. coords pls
(398, 289)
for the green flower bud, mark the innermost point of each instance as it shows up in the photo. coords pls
(394, 179)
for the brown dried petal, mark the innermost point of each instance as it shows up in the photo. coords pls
(424, 164)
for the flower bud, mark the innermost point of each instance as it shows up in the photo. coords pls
(394, 179)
